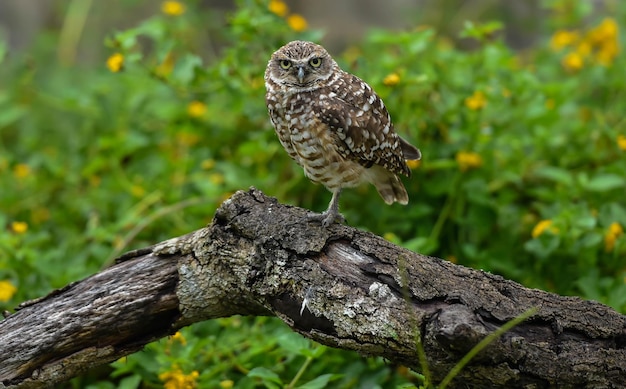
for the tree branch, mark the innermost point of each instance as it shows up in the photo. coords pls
(362, 293)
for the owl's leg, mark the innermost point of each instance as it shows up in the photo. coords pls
(331, 215)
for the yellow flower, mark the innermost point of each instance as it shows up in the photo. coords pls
(543, 226)
(585, 114)
(118, 242)
(173, 8)
(611, 235)
(257, 82)
(297, 22)
(607, 30)
(21, 170)
(166, 67)
(414, 164)
(179, 338)
(600, 42)
(115, 62)
(607, 53)
(137, 190)
(563, 38)
(572, 61)
(208, 164)
(468, 160)
(604, 38)
(176, 379)
(391, 237)
(39, 215)
(7, 290)
(227, 384)
(188, 139)
(391, 79)
(621, 142)
(352, 53)
(196, 109)
(19, 227)
(177, 178)
(95, 181)
(616, 229)
(217, 178)
(278, 7)
(476, 101)
(225, 196)
(583, 49)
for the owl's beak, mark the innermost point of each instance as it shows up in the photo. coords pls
(300, 74)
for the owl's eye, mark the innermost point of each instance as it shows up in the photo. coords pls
(315, 62)
(285, 64)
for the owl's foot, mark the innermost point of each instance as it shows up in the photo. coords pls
(327, 218)
(331, 215)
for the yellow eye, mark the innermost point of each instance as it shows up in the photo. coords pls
(285, 64)
(315, 62)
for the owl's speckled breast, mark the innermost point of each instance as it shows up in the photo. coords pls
(310, 143)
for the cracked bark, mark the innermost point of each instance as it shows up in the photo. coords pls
(259, 257)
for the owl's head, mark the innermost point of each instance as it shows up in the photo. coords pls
(300, 64)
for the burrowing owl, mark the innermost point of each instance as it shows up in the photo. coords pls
(334, 125)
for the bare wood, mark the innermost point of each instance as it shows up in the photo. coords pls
(259, 257)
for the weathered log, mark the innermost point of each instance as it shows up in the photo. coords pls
(259, 257)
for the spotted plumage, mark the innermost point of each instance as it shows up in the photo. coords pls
(334, 125)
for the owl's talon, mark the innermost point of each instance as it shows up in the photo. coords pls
(327, 218)
(330, 219)
(331, 215)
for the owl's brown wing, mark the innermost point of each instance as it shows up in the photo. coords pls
(361, 126)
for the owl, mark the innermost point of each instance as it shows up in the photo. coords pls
(334, 126)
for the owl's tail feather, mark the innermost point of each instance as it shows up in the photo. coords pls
(389, 186)
(409, 151)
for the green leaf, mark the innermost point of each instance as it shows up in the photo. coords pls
(589, 285)
(101, 385)
(295, 343)
(318, 351)
(611, 212)
(319, 382)
(11, 114)
(591, 240)
(131, 382)
(268, 377)
(154, 28)
(480, 31)
(422, 245)
(556, 174)
(544, 245)
(186, 67)
(585, 222)
(605, 182)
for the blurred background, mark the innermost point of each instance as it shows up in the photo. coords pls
(126, 122)
(23, 22)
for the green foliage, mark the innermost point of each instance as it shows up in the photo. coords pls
(251, 352)
(523, 171)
